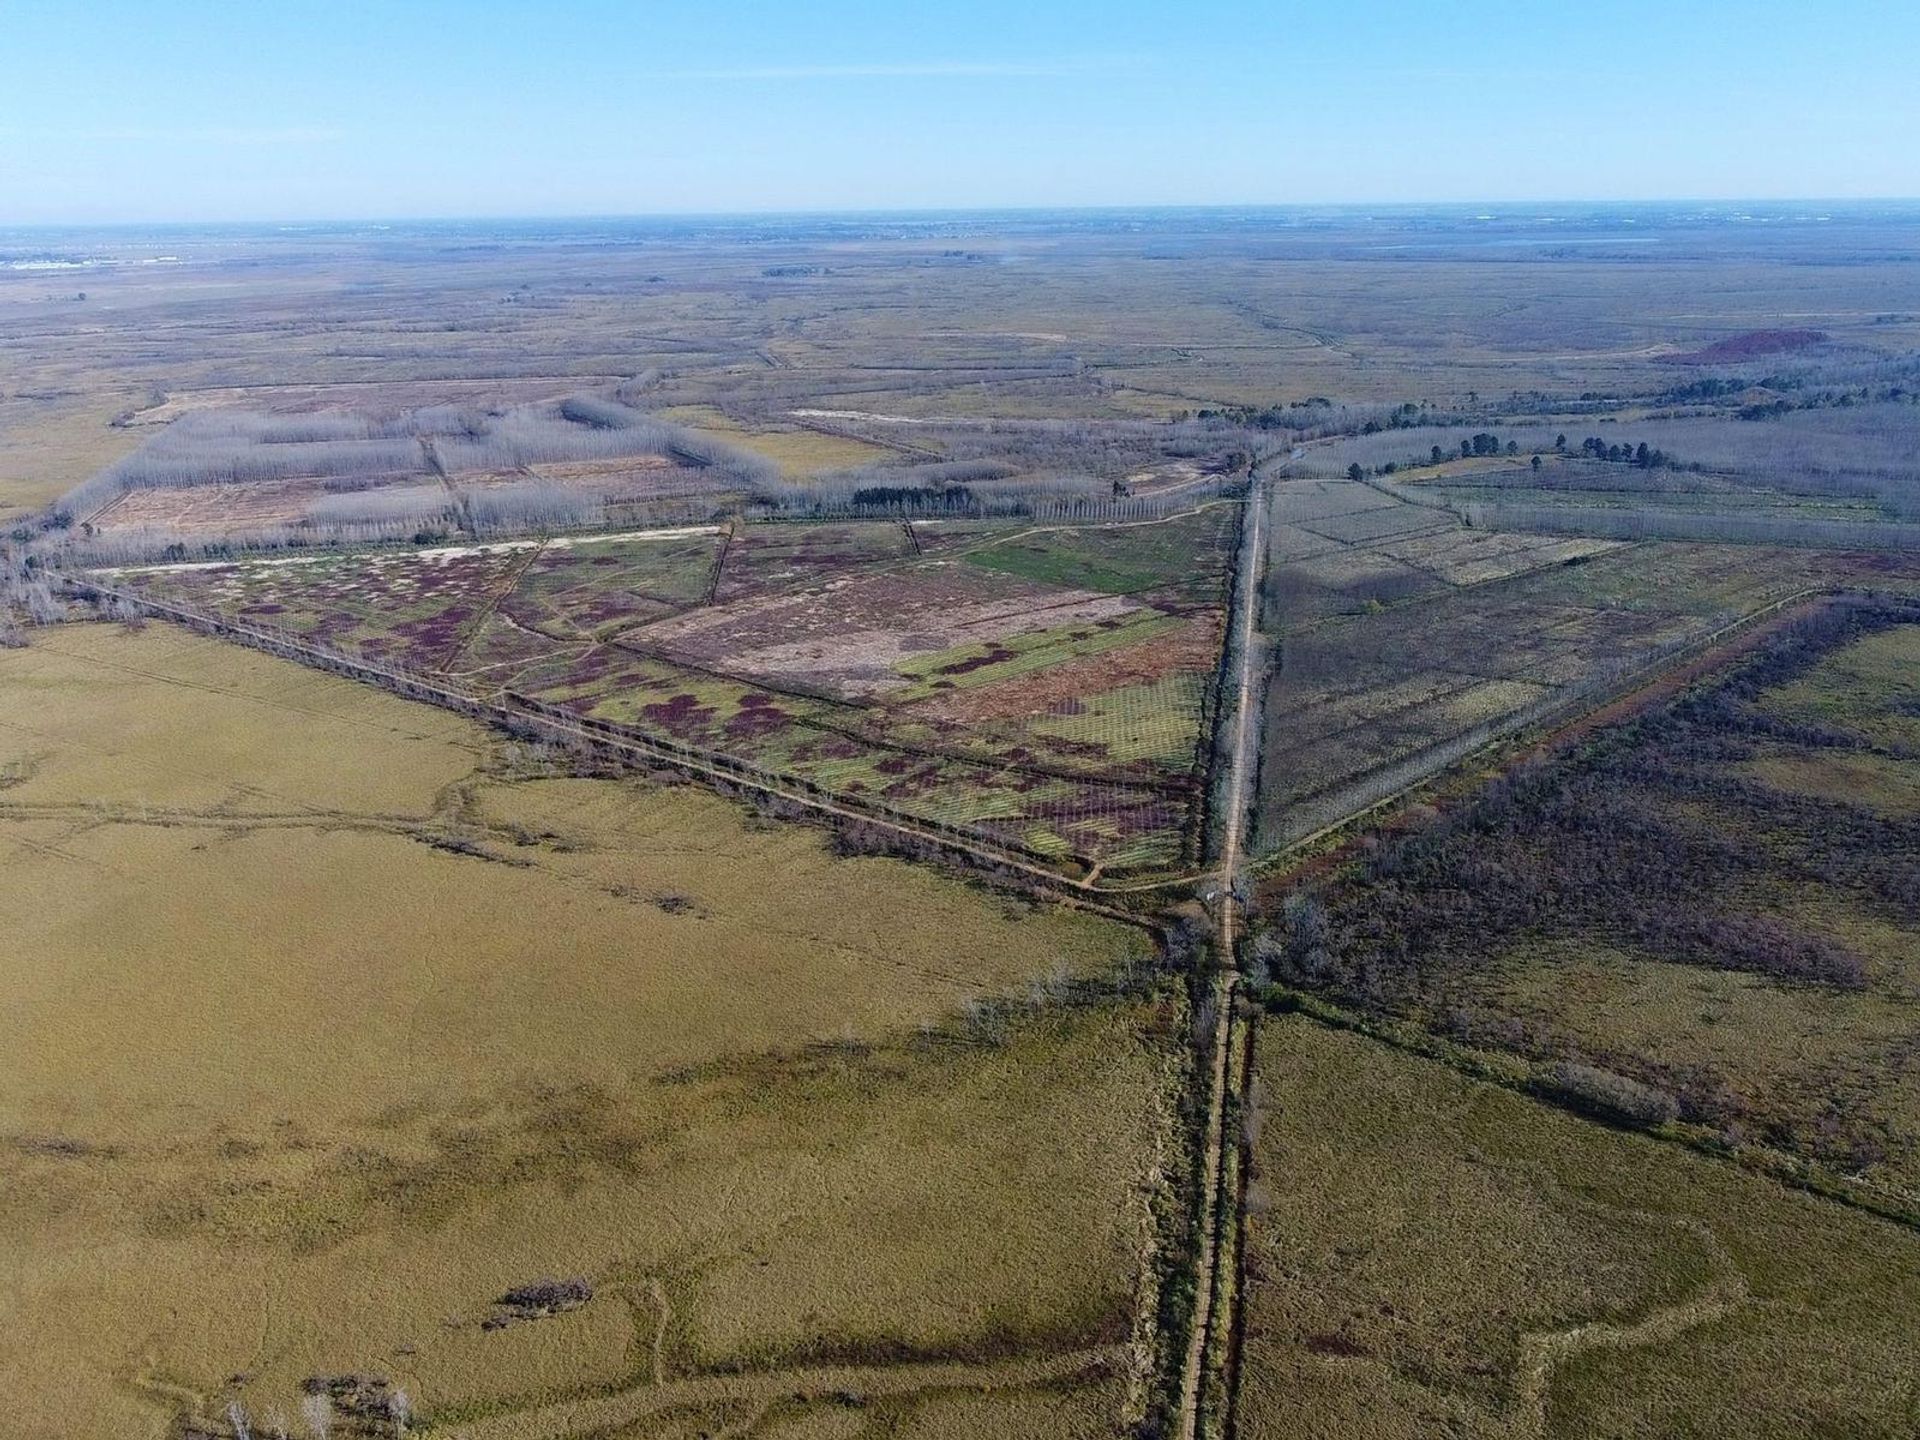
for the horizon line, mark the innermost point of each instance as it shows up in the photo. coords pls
(933, 211)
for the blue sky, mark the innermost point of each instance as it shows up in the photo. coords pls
(293, 110)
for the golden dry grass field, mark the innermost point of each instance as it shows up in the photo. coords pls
(326, 1021)
(49, 446)
(799, 452)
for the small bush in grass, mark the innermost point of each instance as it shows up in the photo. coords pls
(1610, 1096)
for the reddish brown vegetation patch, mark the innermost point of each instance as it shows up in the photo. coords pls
(1750, 346)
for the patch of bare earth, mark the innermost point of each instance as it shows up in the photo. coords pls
(1194, 646)
(850, 635)
(220, 509)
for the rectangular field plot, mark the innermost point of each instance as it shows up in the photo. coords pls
(596, 588)
(1470, 557)
(766, 558)
(1187, 557)
(211, 510)
(1042, 689)
(1338, 547)
(872, 632)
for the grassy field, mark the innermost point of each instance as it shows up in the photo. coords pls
(1716, 899)
(50, 443)
(1433, 1255)
(331, 1020)
(337, 1020)
(799, 452)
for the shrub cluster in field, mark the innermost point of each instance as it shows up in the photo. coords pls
(1651, 840)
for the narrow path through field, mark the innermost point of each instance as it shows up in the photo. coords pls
(1543, 1352)
(604, 1413)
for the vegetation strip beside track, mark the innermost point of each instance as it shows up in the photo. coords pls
(1211, 1310)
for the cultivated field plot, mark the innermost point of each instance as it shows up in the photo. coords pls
(592, 588)
(191, 513)
(1844, 461)
(1577, 483)
(1717, 900)
(201, 511)
(1433, 1255)
(1340, 547)
(346, 1050)
(797, 450)
(1365, 704)
(1044, 687)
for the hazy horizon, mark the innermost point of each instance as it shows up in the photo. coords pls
(1495, 210)
(304, 113)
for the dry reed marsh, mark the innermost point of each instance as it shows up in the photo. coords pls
(1430, 1254)
(326, 1024)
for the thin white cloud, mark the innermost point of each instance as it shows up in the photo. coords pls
(913, 69)
(182, 135)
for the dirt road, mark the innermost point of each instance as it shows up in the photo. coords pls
(1209, 1313)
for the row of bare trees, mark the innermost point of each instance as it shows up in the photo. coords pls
(234, 447)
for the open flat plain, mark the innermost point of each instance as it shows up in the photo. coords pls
(616, 829)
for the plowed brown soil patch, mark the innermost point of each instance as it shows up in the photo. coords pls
(218, 509)
(1193, 646)
(851, 634)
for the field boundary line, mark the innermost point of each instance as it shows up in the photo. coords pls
(1503, 1070)
(510, 582)
(719, 567)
